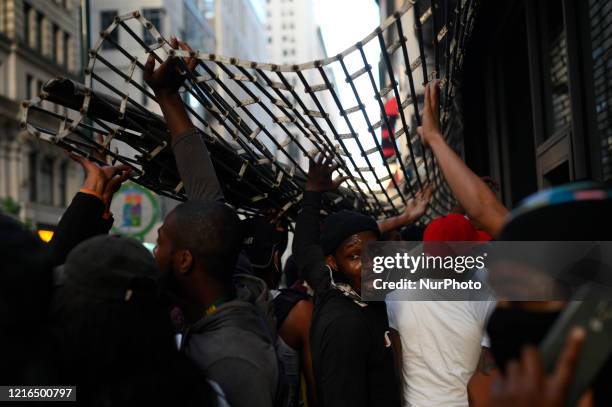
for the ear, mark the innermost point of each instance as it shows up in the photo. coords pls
(183, 261)
(331, 262)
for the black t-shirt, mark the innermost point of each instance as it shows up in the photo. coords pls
(351, 353)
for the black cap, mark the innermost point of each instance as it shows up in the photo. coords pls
(111, 267)
(338, 226)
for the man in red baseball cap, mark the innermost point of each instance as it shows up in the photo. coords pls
(442, 342)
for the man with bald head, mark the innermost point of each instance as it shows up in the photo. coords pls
(197, 249)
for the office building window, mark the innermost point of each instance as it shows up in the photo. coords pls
(154, 15)
(63, 183)
(38, 32)
(32, 175)
(60, 58)
(54, 53)
(106, 19)
(3, 16)
(46, 181)
(27, 34)
(32, 27)
(66, 45)
(29, 86)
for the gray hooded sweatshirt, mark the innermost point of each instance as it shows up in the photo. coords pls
(234, 348)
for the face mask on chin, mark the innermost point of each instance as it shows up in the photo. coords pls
(511, 329)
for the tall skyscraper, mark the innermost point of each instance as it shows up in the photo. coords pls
(240, 28)
(190, 21)
(293, 38)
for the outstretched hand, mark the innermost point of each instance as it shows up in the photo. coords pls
(430, 127)
(526, 383)
(169, 76)
(104, 182)
(416, 207)
(320, 173)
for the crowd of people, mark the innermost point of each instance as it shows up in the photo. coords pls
(214, 317)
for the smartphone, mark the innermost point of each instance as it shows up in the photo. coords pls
(595, 316)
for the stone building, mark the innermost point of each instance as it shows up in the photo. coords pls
(39, 40)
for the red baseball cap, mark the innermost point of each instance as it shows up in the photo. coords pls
(453, 227)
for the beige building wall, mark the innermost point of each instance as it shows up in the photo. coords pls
(39, 40)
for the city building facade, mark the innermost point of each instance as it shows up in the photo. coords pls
(240, 29)
(535, 99)
(536, 94)
(39, 40)
(140, 212)
(293, 37)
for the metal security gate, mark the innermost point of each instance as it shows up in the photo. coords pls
(601, 34)
(255, 117)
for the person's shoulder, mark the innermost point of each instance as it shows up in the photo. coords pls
(398, 305)
(291, 295)
(303, 307)
(342, 313)
(300, 313)
(334, 302)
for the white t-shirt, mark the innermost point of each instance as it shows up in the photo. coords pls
(441, 345)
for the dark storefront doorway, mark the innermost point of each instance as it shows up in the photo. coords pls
(525, 99)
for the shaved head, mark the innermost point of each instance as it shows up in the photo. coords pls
(211, 232)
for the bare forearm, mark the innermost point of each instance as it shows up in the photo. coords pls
(176, 116)
(479, 202)
(394, 222)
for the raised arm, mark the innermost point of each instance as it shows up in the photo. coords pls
(89, 213)
(308, 253)
(479, 202)
(192, 157)
(415, 208)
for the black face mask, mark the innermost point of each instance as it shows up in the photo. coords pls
(511, 329)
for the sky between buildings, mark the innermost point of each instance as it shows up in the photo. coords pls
(343, 23)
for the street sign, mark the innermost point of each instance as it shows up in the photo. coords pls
(136, 211)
